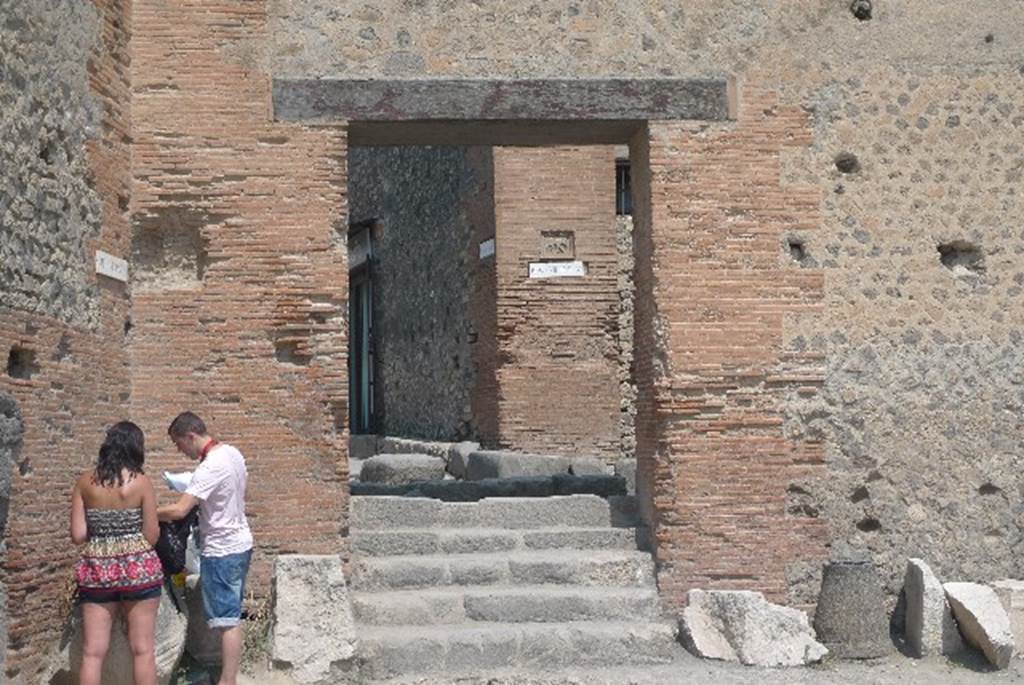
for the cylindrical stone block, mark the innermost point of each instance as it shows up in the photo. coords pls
(851, 618)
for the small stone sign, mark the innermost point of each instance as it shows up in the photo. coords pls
(487, 248)
(112, 267)
(557, 269)
(557, 245)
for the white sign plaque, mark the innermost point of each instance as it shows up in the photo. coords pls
(557, 269)
(112, 267)
(487, 248)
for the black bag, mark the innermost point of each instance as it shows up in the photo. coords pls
(173, 541)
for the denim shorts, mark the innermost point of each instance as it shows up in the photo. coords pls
(106, 597)
(223, 583)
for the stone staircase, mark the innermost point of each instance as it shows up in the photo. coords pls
(526, 584)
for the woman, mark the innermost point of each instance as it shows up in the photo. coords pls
(113, 511)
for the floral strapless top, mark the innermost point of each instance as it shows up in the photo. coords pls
(117, 557)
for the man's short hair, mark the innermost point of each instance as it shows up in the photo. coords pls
(184, 423)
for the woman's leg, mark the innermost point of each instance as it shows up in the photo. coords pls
(96, 622)
(142, 637)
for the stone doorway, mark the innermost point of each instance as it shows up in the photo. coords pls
(529, 113)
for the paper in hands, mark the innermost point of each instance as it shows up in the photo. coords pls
(178, 481)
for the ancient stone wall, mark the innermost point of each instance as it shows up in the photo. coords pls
(64, 157)
(828, 314)
(626, 287)
(239, 230)
(12, 429)
(906, 360)
(557, 337)
(422, 273)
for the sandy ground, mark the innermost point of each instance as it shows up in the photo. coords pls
(893, 670)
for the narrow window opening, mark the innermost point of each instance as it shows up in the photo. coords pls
(623, 188)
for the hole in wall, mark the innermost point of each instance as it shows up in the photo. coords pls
(47, 152)
(800, 502)
(989, 489)
(989, 38)
(847, 163)
(861, 9)
(869, 525)
(962, 258)
(63, 350)
(170, 248)
(288, 351)
(796, 249)
(860, 494)
(21, 363)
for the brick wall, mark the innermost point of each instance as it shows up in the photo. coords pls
(69, 374)
(557, 338)
(715, 289)
(239, 313)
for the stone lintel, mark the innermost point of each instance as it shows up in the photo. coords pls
(455, 100)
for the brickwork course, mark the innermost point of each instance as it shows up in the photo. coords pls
(828, 320)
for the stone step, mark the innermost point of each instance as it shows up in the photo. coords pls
(561, 567)
(482, 540)
(503, 604)
(583, 511)
(394, 651)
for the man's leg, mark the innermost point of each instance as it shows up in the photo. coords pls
(223, 583)
(231, 654)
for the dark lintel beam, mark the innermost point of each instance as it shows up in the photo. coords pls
(396, 101)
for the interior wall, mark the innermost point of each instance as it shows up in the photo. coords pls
(423, 270)
(558, 346)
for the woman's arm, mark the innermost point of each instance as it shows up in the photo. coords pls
(79, 531)
(150, 525)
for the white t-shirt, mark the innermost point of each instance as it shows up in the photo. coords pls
(219, 485)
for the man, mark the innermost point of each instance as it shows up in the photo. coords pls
(218, 487)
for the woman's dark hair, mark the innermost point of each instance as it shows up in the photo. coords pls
(123, 449)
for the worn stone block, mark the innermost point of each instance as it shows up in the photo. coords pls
(742, 626)
(587, 466)
(626, 468)
(850, 618)
(982, 620)
(1011, 596)
(458, 457)
(930, 627)
(362, 446)
(494, 464)
(402, 468)
(313, 637)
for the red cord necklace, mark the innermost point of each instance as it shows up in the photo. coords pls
(206, 449)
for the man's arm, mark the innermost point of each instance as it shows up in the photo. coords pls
(178, 510)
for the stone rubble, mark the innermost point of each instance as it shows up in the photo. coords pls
(313, 637)
(500, 464)
(401, 468)
(931, 629)
(458, 457)
(1011, 596)
(743, 626)
(982, 620)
